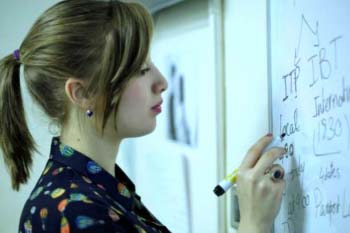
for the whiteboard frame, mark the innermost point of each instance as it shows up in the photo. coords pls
(269, 72)
(216, 21)
(269, 64)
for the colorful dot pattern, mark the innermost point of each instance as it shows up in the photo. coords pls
(75, 194)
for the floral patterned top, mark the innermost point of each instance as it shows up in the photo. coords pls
(74, 194)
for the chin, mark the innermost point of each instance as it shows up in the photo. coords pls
(147, 131)
(140, 132)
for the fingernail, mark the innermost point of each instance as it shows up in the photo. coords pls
(269, 135)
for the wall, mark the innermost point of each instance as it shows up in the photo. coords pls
(246, 79)
(16, 17)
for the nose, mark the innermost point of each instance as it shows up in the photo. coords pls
(161, 84)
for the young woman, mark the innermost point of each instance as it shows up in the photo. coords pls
(86, 64)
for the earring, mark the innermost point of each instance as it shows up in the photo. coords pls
(89, 113)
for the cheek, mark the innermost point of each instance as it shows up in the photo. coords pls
(134, 98)
(134, 113)
(134, 120)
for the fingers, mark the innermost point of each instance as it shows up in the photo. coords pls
(265, 162)
(255, 151)
(260, 190)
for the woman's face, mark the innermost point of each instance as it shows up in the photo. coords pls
(141, 102)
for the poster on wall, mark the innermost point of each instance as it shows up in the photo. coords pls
(182, 100)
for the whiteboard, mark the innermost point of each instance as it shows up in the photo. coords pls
(309, 69)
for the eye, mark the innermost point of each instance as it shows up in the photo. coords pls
(145, 70)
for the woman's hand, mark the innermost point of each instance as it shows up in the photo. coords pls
(259, 196)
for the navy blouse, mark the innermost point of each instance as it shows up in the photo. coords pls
(75, 194)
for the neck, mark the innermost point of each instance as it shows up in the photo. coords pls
(103, 150)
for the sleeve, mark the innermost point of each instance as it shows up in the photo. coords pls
(90, 217)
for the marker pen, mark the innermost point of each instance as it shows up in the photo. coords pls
(230, 179)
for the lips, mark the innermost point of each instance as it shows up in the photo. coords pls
(157, 106)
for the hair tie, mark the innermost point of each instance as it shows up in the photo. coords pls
(16, 55)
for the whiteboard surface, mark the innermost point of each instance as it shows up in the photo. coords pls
(310, 84)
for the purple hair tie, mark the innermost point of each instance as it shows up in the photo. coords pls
(16, 55)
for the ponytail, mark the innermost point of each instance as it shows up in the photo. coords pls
(16, 142)
(102, 43)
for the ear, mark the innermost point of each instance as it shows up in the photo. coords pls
(74, 89)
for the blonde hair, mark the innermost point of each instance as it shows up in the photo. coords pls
(102, 43)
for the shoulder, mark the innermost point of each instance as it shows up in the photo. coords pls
(88, 215)
(70, 209)
(64, 201)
